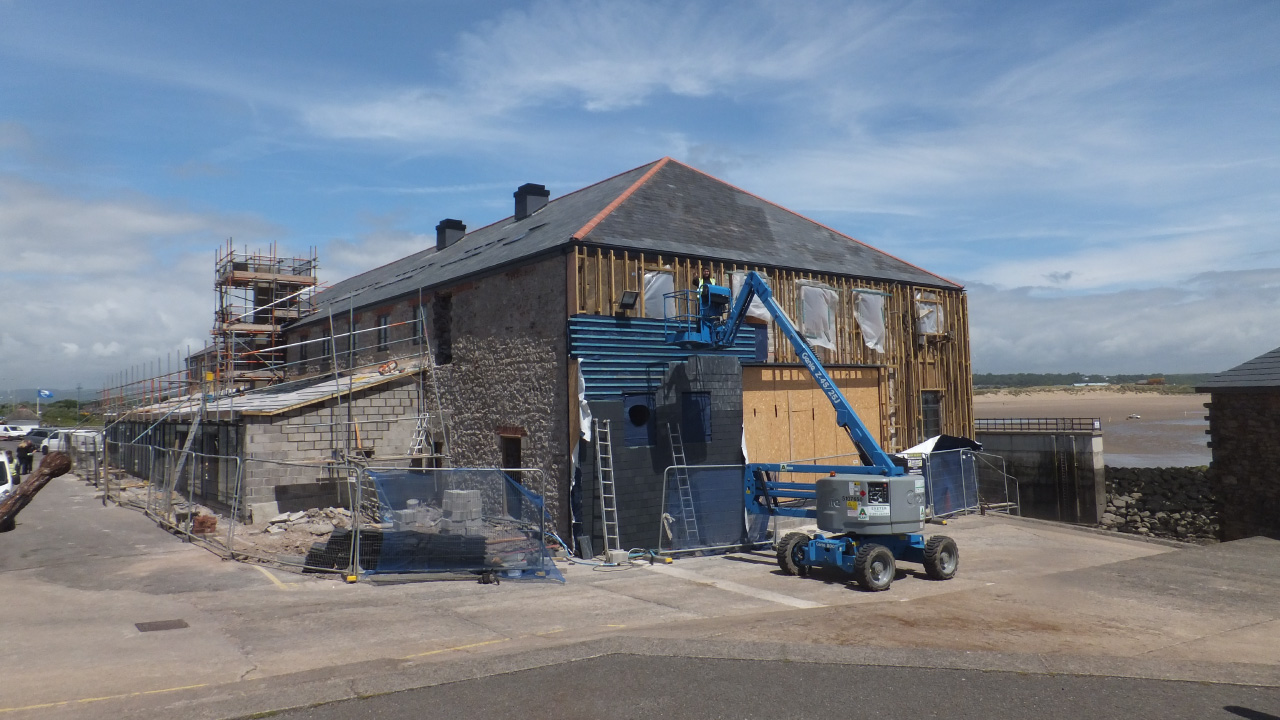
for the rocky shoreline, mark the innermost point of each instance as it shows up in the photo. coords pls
(1177, 503)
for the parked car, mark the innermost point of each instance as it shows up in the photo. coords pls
(8, 476)
(38, 435)
(59, 441)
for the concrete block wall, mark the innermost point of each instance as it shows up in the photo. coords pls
(1037, 460)
(1244, 429)
(639, 470)
(307, 434)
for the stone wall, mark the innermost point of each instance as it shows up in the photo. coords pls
(509, 375)
(1175, 503)
(1244, 431)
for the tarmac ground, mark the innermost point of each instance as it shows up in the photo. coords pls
(1033, 601)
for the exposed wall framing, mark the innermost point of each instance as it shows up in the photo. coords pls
(912, 362)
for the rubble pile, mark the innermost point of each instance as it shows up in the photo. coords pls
(316, 522)
(1174, 503)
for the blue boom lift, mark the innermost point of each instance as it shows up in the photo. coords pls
(872, 514)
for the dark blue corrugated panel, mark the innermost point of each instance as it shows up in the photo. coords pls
(621, 355)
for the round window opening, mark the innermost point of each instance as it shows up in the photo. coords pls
(638, 415)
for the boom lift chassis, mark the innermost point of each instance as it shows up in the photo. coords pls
(871, 515)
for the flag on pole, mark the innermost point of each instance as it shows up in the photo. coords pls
(45, 393)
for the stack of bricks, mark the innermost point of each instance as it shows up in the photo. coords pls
(463, 512)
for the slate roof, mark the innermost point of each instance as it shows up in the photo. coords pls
(1260, 372)
(662, 207)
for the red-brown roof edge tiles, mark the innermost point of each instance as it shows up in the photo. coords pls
(600, 216)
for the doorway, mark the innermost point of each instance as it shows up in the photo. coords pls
(509, 446)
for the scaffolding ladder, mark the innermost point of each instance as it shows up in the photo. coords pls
(684, 490)
(608, 492)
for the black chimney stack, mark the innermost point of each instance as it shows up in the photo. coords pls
(530, 199)
(448, 232)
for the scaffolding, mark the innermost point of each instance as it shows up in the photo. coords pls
(258, 294)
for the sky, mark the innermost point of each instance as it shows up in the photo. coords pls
(1104, 178)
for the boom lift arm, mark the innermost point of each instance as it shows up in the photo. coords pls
(710, 328)
(875, 511)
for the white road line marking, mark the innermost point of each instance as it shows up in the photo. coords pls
(733, 587)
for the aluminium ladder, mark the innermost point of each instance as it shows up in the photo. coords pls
(420, 431)
(683, 488)
(608, 492)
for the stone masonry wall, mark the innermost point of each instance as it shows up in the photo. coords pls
(1245, 433)
(509, 375)
(1175, 503)
(509, 369)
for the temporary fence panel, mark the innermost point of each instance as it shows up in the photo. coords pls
(704, 508)
(458, 520)
(964, 481)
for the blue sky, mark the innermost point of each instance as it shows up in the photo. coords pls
(1103, 177)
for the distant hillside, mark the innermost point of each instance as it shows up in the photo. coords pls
(1025, 380)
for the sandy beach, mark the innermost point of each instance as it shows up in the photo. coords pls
(1169, 431)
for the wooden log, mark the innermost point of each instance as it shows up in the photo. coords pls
(52, 466)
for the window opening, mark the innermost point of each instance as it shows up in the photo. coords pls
(930, 413)
(302, 348)
(442, 323)
(384, 332)
(639, 427)
(695, 417)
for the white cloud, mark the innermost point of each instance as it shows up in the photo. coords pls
(101, 284)
(1212, 322)
(598, 57)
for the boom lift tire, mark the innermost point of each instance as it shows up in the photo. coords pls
(791, 554)
(941, 558)
(874, 567)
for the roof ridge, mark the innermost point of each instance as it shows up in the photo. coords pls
(815, 222)
(608, 209)
(431, 250)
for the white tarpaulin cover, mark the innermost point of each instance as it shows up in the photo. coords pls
(657, 284)
(584, 410)
(818, 315)
(756, 309)
(870, 311)
(929, 320)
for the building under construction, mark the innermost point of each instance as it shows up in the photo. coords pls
(505, 346)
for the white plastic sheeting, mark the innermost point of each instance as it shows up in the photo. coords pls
(657, 284)
(929, 319)
(737, 280)
(870, 311)
(818, 315)
(584, 410)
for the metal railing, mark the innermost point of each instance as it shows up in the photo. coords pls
(1038, 425)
